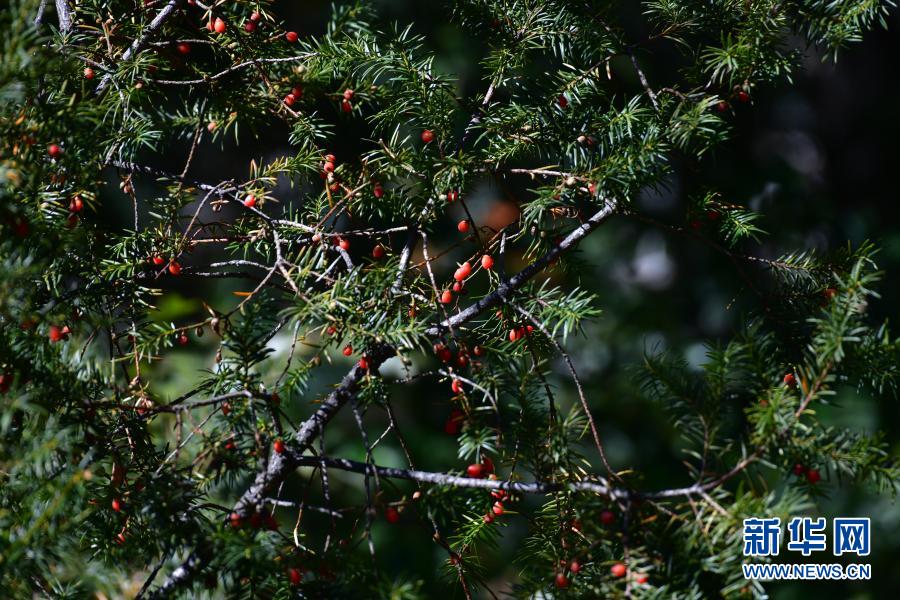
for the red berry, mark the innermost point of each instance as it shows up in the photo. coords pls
(219, 25)
(120, 538)
(255, 16)
(348, 94)
(427, 136)
(452, 196)
(463, 271)
(618, 570)
(116, 505)
(391, 514)
(54, 151)
(378, 251)
(722, 106)
(363, 364)
(475, 470)
(456, 386)
(454, 421)
(457, 287)
(607, 517)
(250, 201)
(348, 350)
(184, 48)
(378, 191)
(743, 96)
(330, 158)
(641, 579)
(478, 351)
(488, 518)
(463, 226)
(790, 380)
(563, 101)
(226, 408)
(574, 566)
(446, 297)
(297, 91)
(799, 469)
(235, 520)
(278, 446)
(562, 581)
(513, 335)
(249, 26)
(289, 99)
(183, 340)
(76, 205)
(343, 244)
(295, 576)
(88, 73)
(498, 508)
(158, 260)
(331, 329)
(55, 333)
(291, 36)
(487, 262)
(346, 106)
(174, 268)
(328, 167)
(813, 476)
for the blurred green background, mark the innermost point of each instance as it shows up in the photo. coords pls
(817, 158)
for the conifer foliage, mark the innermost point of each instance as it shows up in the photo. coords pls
(372, 272)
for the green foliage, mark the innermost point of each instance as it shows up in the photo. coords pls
(160, 341)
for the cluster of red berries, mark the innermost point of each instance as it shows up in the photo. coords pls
(257, 520)
(252, 23)
(174, 267)
(328, 167)
(812, 475)
(346, 97)
(498, 496)
(519, 332)
(461, 274)
(295, 94)
(445, 354)
(216, 25)
(482, 469)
